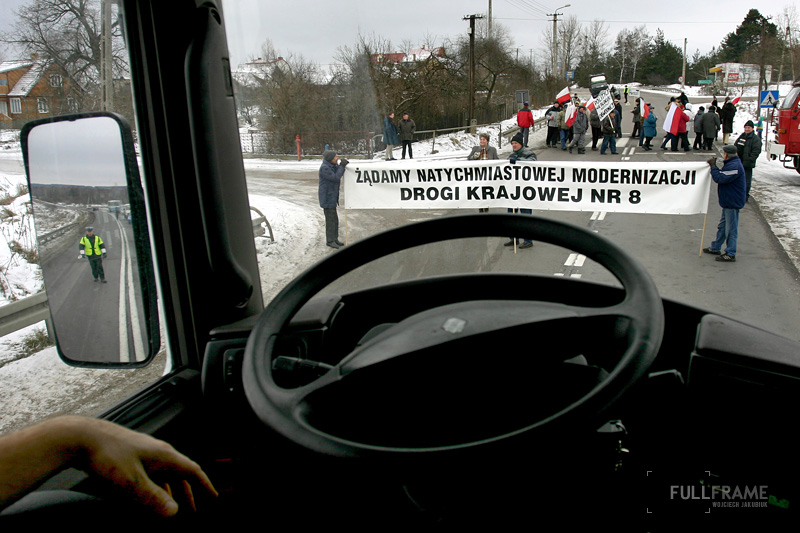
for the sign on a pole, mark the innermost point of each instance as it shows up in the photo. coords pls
(523, 95)
(604, 103)
(768, 98)
(570, 74)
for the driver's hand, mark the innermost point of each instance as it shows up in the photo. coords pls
(147, 470)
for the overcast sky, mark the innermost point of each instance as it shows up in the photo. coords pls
(314, 29)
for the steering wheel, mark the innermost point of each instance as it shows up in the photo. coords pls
(288, 412)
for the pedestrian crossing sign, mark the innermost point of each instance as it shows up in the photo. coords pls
(769, 98)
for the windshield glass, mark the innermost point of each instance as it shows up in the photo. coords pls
(301, 93)
(789, 100)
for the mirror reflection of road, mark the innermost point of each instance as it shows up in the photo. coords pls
(104, 320)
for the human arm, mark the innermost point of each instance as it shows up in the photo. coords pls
(142, 468)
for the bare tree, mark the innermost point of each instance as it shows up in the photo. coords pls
(67, 32)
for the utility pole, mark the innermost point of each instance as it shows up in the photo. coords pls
(683, 72)
(106, 58)
(490, 19)
(472, 19)
(762, 75)
(555, 14)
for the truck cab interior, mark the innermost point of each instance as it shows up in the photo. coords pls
(436, 403)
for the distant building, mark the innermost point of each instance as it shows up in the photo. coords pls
(739, 74)
(34, 88)
(413, 55)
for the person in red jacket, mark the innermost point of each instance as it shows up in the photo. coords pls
(525, 121)
(683, 135)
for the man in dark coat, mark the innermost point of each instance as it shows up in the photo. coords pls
(407, 129)
(520, 153)
(732, 197)
(330, 176)
(390, 137)
(726, 116)
(748, 147)
(710, 127)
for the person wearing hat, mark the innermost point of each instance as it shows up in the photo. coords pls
(579, 129)
(91, 247)
(552, 124)
(330, 176)
(731, 190)
(407, 129)
(618, 117)
(649, 129)
(520, 153)
(525, 121)
(726, 115)
(748, 148)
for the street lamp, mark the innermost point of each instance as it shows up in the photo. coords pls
(555, 15)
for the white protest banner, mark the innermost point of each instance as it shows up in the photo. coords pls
(661, 188)
(604, 103)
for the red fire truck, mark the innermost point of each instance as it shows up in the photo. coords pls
(786, 121)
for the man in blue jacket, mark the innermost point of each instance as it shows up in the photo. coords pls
(330, 176)
(390, 137)
(732, 192)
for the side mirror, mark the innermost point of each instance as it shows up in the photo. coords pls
(82, 173)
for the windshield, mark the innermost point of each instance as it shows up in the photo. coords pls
(299, 96)
(789, 100)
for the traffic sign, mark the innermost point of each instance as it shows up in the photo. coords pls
(769, 98)
(680, 79)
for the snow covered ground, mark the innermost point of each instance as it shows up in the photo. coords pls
(776, 189)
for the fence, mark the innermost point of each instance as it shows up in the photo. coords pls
(258, 142)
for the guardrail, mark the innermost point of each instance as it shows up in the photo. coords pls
(24, 313)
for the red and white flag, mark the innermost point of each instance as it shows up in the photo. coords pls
(736, 100)
(671, 122)
(644, 109)
(590, 104)
(569, 114)
(564, 96)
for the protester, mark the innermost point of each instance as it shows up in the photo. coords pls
(525, 121)
(726, 116)
(748, 148)
(579, 128)
(682, 136)
(520, 153)
(390, 137)
(407, 129)
(649, 129)
(698, 128)
(483, 151)
(731, 190)
(594, 120)
(330, 177)
(710, 126)
(636, 119)
(552, 124)
(609, 134)
(563, 128)
(618, 118)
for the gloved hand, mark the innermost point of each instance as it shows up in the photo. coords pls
(513, 160)
(81, 256)
(712, 162)
(344, 162)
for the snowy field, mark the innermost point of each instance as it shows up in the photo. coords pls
(776, 190)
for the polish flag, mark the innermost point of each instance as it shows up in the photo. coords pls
(590, 104)
(736, 100)
(644, 109)
(569, 114)
(564, 96)
(671, 122)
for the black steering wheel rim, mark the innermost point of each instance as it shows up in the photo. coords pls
(276, 408)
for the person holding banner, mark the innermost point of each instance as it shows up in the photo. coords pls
(520, 153)
(330, 176)
(732, 192)
(481, 152)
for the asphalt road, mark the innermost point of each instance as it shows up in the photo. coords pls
(760, 288)
(97, 322)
